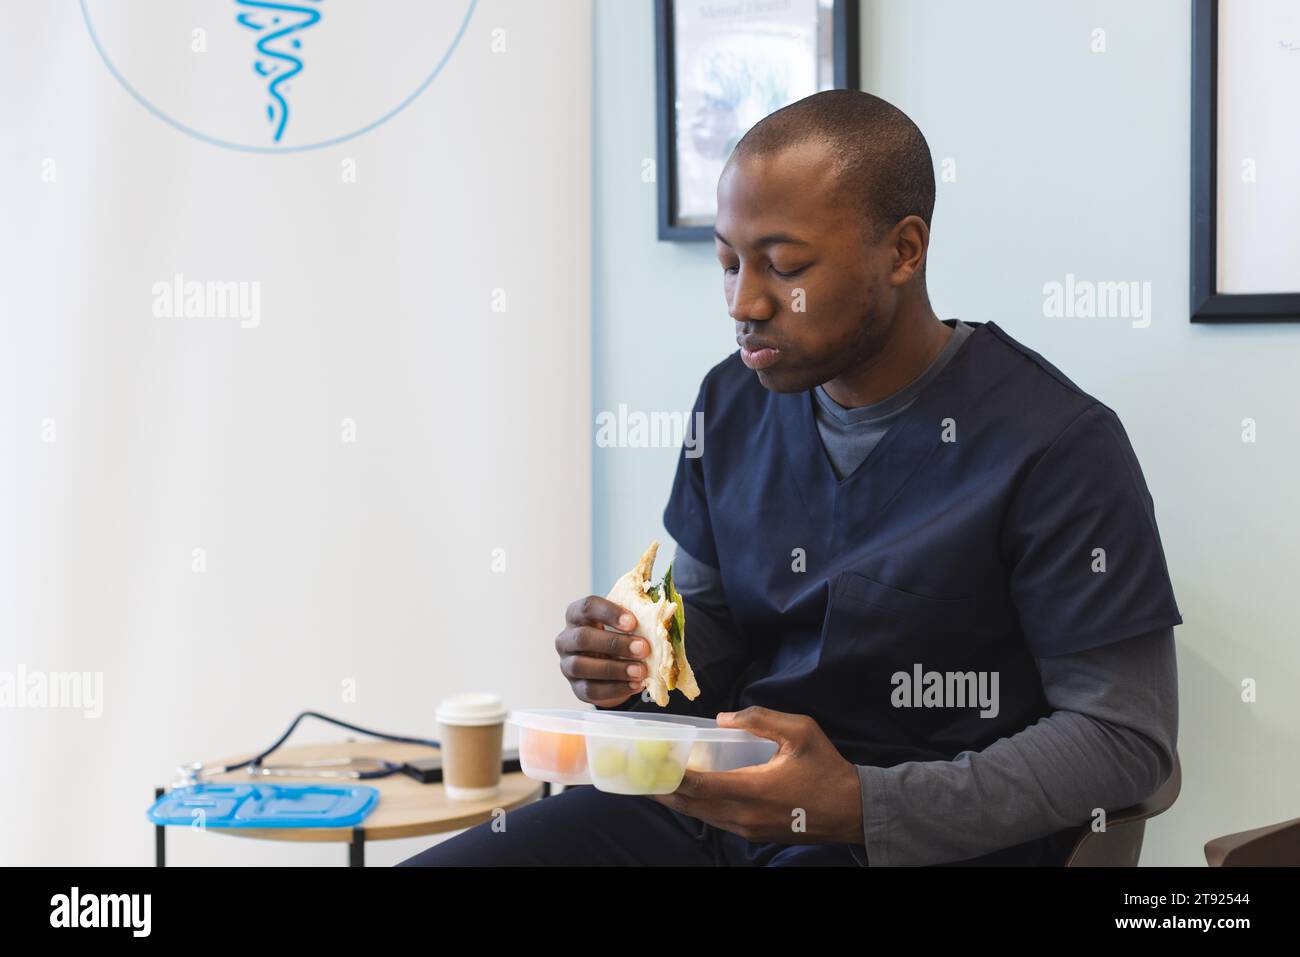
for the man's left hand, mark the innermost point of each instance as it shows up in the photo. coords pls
(806, 794)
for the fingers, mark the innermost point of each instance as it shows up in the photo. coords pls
(586, 640)
(722, 788)
(604, 693)
(794, 734)
(603, 666)
(594, 610)
(586, 668)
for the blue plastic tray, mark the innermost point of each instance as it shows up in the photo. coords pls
(266, 805)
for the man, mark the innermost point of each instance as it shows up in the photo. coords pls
(913, 553)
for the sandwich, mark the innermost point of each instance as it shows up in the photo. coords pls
(661, 621)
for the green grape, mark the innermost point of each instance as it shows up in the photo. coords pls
(670, 776)
(610, 761)
(653, 750)
(641, 773)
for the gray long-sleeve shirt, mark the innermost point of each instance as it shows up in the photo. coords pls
(1108, 743)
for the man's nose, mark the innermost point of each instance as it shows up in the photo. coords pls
(749, 299)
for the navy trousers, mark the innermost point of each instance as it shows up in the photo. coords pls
(584, 826)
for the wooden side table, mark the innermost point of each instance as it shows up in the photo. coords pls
(406, 807)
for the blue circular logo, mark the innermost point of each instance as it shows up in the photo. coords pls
(275, 77)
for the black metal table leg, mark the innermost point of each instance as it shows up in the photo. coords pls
(357, 848)
(159, 836)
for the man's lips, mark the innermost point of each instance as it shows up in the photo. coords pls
(757, 354)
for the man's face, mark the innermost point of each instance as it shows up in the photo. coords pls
(810, 298)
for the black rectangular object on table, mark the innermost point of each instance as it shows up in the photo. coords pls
(429, 770)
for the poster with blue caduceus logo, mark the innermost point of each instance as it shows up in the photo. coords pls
(269, 76)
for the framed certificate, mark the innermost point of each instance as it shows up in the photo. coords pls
(722, 66)
(1245, 216)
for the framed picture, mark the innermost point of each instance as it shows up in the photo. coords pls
(722, 66)
(1245, 217)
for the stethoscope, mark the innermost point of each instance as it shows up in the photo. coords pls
(357, 769)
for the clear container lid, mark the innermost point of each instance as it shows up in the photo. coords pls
(629, 724)
(610, 726)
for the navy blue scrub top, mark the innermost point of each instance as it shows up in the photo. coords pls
(968, 540)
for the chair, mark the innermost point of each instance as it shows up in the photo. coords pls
(1121, 843)
(1277, 845)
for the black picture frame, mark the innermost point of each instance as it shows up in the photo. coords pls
(1206, 303)
(847, 75)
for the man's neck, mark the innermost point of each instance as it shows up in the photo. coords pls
(915, 344)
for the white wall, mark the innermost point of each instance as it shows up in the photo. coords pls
(1068, 161)
(327, 561)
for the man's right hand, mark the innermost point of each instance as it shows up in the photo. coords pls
(603, 666)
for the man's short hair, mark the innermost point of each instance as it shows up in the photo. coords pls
(882, 160)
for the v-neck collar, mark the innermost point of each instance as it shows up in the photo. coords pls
(900, 451)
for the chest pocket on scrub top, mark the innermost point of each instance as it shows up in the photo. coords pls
(873, 631)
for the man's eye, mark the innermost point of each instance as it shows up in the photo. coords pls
(789, 275)
(729, 269)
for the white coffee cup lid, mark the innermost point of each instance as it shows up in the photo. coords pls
(472, 709)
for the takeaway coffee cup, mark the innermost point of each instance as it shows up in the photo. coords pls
(471, 731)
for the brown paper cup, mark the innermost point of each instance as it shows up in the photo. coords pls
(472, 727)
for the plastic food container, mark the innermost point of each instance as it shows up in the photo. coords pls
(630, 752)
(552, 746)
(637, 757)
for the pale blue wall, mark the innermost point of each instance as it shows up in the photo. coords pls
(1068, 161)
(659, 321)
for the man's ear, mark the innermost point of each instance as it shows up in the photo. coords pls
(911, 244)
